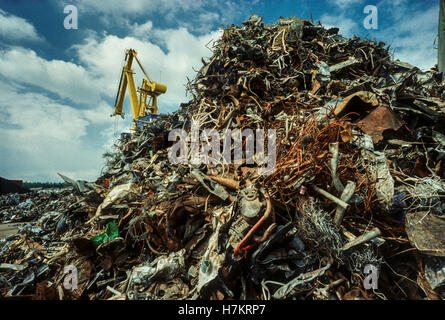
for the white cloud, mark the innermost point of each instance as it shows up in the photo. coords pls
(65, 79)
(198, 16)
(206, 21)
(104, 57)
(411, 32)
(346, 25)
(345, 3)
(100, 62)
(16, 29)
(142, 31)
(138, 7)
(412, 35)
(42, 137)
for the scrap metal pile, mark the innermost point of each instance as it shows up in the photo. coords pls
(357, 187)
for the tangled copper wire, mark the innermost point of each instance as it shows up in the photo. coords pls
(309, 156)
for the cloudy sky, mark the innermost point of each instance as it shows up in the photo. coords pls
(57, 86)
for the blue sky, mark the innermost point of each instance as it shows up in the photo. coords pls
(57, 86)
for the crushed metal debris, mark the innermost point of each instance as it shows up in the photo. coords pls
(358, 181)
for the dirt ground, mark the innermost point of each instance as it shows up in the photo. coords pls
(8, 229)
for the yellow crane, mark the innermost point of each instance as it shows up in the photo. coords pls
(141, 111)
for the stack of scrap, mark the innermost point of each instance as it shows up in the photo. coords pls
(356, 188)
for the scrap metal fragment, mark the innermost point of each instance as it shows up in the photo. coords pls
(161, 269)
(374, 233)
(378, 121)
(123, 192)
(435, 271)
(426, 232)
(9, 266)
(377, 166)
(356, 102)
(79, 185)
(299, 280)
(333, 148)
(345, 196)
(329, 196)
(348, 63)
(212, 186)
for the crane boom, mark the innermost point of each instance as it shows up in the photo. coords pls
(140, 110)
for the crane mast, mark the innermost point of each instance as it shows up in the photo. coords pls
(141, 110)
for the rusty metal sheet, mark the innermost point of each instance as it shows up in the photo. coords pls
(426, 232)
(379, 120)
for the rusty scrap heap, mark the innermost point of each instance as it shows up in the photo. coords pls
(353, 209)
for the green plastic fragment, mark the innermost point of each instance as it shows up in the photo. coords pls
(111, 232)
